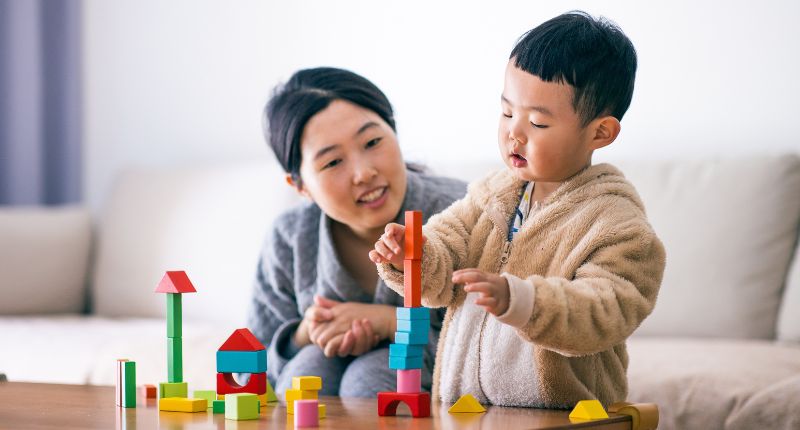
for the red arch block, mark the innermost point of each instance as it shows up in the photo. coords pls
(256, 385)
(419, 403)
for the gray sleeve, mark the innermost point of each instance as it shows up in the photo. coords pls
(274, 315)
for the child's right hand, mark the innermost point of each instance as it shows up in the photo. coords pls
(388, 248)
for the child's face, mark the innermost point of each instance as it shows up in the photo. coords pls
(540, 134)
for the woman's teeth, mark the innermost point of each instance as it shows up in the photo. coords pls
(372, 196)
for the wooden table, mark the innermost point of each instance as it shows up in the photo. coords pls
(49, 406)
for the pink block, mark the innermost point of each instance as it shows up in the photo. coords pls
(306, 413)
(409, 381)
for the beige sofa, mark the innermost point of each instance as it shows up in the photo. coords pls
(721, 350)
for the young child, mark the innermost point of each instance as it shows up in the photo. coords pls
(558, 262)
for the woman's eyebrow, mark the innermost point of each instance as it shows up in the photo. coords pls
(365, 127)
(325, 150)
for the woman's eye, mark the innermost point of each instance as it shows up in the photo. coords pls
(538, 125)
(332, 164)
(374, 142)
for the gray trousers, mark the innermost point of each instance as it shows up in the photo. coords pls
(361, 376)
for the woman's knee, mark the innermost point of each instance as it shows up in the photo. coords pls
(368, 374)
(310, 361)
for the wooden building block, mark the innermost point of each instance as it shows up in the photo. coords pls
(129, 384)
(173, 389)
(588, 410)
(309, 383)
(119, 376)
(242, 340)
(418, 403)
(409, 381)
(402, 350)
(322, 411)
(413, 236)
(415, 338)
(174, 359)
(242, 361)
(209, 395)
(292, 395)
(182, 404)
(270, 396)
(241, 406)
(226, 384)
(174, 315)
(218, 406)
(404, 363)
(466, 404)
(412, 283)
(306, 413)
(413, 326)
(149, 391)
(175, 282)
(411, 313)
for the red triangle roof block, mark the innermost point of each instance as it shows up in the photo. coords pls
(242, 339)
(175, 282)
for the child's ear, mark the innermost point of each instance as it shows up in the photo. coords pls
(297, 186)
(605, 129)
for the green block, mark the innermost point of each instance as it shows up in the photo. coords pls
(174, 359)
(129, 373)
(218, 406)
(209, 395)
(242, 406)
(174, 315)
(173, 389)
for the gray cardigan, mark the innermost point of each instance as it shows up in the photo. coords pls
(299, 260)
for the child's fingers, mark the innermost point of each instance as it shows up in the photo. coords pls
(383, 249)
(484, 288)
(487, 302)
(376, 257)
(468, 276)
(391, 234)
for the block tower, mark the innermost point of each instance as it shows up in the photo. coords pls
(174, 284)
(243, 353)
(413, 324)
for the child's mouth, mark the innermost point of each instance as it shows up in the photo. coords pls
(518, 160)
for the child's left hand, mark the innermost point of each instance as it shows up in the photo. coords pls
(493, 289)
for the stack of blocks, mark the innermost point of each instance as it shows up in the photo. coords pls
(305, 392)
(126, 383)
(413, 323)
(173, 394)
(242, 353)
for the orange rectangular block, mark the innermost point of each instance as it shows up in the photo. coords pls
(149, 391)
(412, 283)
(413, 243)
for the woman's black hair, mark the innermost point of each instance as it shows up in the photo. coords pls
(306, 93)
(592, 55)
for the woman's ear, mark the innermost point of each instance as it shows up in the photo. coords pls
(606, 130)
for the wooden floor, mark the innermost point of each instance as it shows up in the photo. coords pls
(49, 406)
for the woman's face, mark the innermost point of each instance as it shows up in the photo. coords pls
(351, 167)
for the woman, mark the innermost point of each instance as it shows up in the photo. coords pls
(318, 301)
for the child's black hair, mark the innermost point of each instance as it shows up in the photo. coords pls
(306, 93)
(592, 55)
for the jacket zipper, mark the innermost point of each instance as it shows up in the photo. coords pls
(503, 260)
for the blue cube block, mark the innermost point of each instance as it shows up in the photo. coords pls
(242, 361)
(414, 338)
(405, 363)
(410, 314)
(413, 326)
(401, 350)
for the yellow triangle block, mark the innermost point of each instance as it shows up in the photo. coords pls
(588, 410)
(271, 397)
(466, 404)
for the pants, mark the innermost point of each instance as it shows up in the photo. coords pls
(361, 376)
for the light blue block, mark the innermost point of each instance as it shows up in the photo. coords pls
(401, 350)
(405, 363)
(413, 326)
(415, 338)
(409, 314)
(242, 361)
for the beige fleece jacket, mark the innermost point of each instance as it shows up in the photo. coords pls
(584, 271)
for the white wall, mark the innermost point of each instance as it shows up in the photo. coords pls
(183, 82)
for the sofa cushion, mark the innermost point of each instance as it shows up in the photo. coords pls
(789, 318)
(44, 259)
(729, 228)
(209, 221)
(710, 383)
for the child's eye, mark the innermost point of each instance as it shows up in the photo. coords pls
(333, 163)
(538, 125)
(507, 115)
(374, 142)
